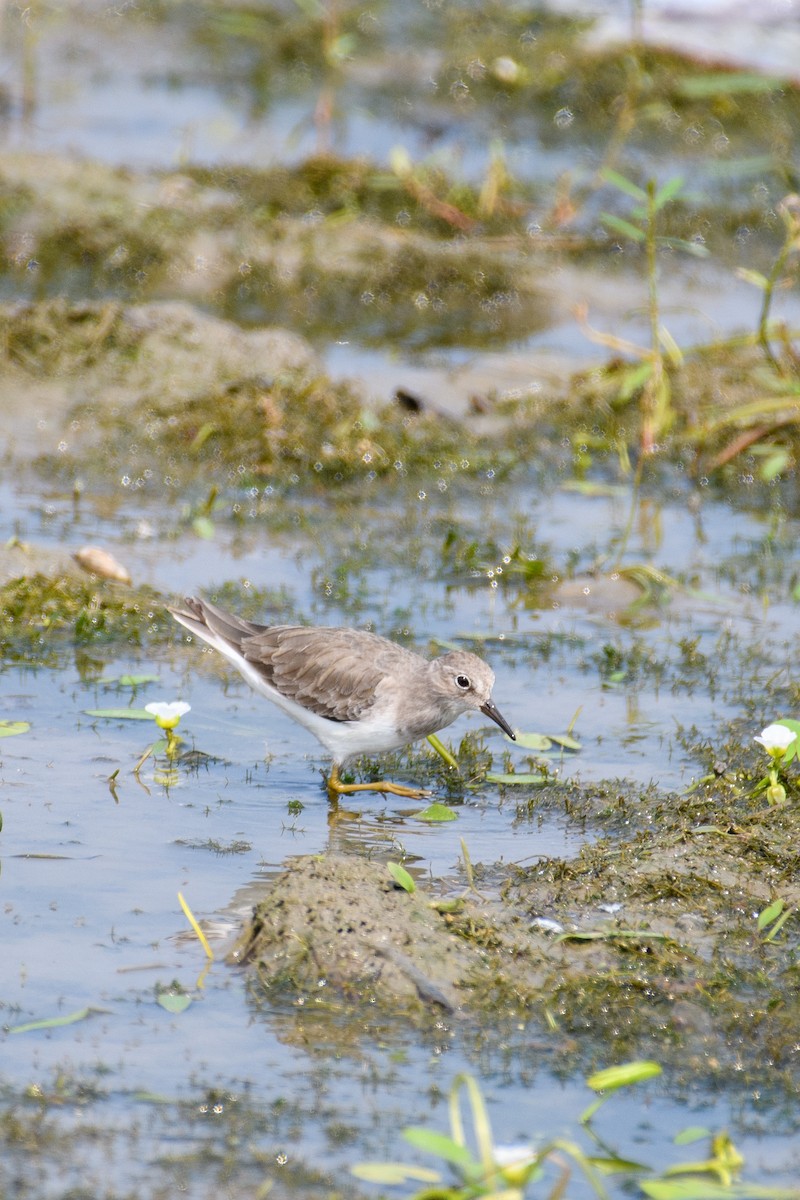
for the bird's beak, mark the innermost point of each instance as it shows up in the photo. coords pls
(490, 710)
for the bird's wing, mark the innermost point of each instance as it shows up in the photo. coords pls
(332, 672)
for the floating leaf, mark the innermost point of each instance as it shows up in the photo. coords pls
(401, 877)
(701, 1189)
(567, 742)
(437, 812)
(693, 1133)
(128, 680)
(12, 728)
(56, 1022)
(119, 714)
(531, 741)
(174, 1002)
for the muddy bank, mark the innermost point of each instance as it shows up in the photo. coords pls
(647, 944)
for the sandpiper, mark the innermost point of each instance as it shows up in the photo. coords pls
(355, 691)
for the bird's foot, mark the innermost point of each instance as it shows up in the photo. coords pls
(337, 788)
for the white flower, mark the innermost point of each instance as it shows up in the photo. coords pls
(776, 740)
(515, 1163)
(168, 713)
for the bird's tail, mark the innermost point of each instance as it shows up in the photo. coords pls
(212, 625)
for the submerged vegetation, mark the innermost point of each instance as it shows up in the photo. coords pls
(41, 616)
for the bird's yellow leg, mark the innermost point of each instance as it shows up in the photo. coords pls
(337, 788)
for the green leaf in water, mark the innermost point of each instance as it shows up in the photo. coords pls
(567, 742)
(437, 812)
(12, 728)
(174, 1002)
(532, 741)
(770, 914)
(611, 1078)
(120, 714)
(401, 877)
(692, 1133)
(701, 1189)
(439, 1144)
(128, 681)
(56, 1022)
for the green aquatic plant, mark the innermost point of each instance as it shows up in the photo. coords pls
(481, 1168)
(648, 376)
(40, 614)
(484, 1169)
(772, 919)
(778, 276)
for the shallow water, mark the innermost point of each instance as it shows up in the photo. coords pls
(90, 878)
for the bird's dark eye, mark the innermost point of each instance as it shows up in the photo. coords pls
(463, 682)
